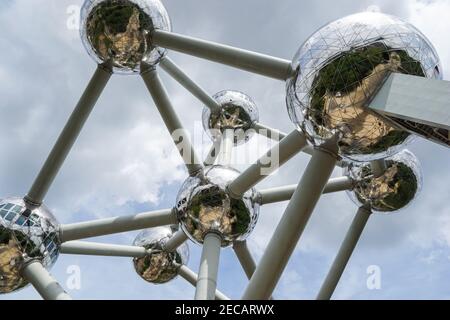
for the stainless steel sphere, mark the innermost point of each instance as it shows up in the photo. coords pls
(159, 266)
(119, 31)
(25, 234)
(237, 112)
(339, 70)
(392, 191)
(203, 206)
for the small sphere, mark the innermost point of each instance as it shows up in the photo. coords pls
(119, 32)
(159, 266)
(237, 112)
(392, 191)
(204, 206)
(25, 234)
(340, 68)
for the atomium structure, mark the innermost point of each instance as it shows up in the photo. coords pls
(334, 86)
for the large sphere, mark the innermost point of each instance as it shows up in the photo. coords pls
(392, 191)
(25, 234)
(339, 70)
(119, 31)
(159, 266)
(237, 112)
(204, 206)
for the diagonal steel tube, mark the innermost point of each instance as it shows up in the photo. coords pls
(191, 277)
(292, 224)
(209, 267)
(226, 147)
(102, 227)
(177, 239)
(67, 138)
(276, 157)
(102, 249)
(245, 257)
(213, 153)
(171, 120)
(285, 193)
(182, 78)
(242, 59)
(43, 282)
(344, 254)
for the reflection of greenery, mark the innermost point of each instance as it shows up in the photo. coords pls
(239, 208)
(345, 73)
(113, 16)
(404, 185)
(393, 138)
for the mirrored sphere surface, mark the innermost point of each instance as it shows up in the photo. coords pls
(340, 68)
(204, 206)
(25, 234)
(159, 266)
(237, 112)
(392, 191)
(119, 32)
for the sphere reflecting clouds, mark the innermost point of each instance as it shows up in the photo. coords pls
(159, 266)
(339, 70)
(119, 31)
(393, 190)
(25, 234)
(238, 112)
(204, 206)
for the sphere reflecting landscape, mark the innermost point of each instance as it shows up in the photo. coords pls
(25, 234)
(203, 206)
(237, 112)
(119, 32)
(392, 191)
(341, 67)
(159, 266)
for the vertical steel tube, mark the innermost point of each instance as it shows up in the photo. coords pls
(292, 224)
(182, 78)
(209, 267)
(378, 167)
(344, 254)
(243, 59)
(68, 136)
(43, 282)
(170, 118)
(226, 148)
(190, 276)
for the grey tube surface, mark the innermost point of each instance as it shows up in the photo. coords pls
(344, 254)
(102, 227)
(67, 138)
(281, 153)
(245, 258)
(292, 224)
(102, 249)
(191, 277)
(171, 120)
(43, 282)
(242, 59)
(209, 267)
(177, 239)
(182, 78)
(285, 193)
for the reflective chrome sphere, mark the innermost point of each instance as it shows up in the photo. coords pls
(159, 266)
(393, 190)
(119, 31)
(25, 234)
(339, 70)
(204, 206)
(238, 112)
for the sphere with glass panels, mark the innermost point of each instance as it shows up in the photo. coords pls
(340, 68)
(204, 206)
(237, 112)
(26, 234)
(119, 32)
(159, 266)
(393, 190)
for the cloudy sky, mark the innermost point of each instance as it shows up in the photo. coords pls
(124, 161)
